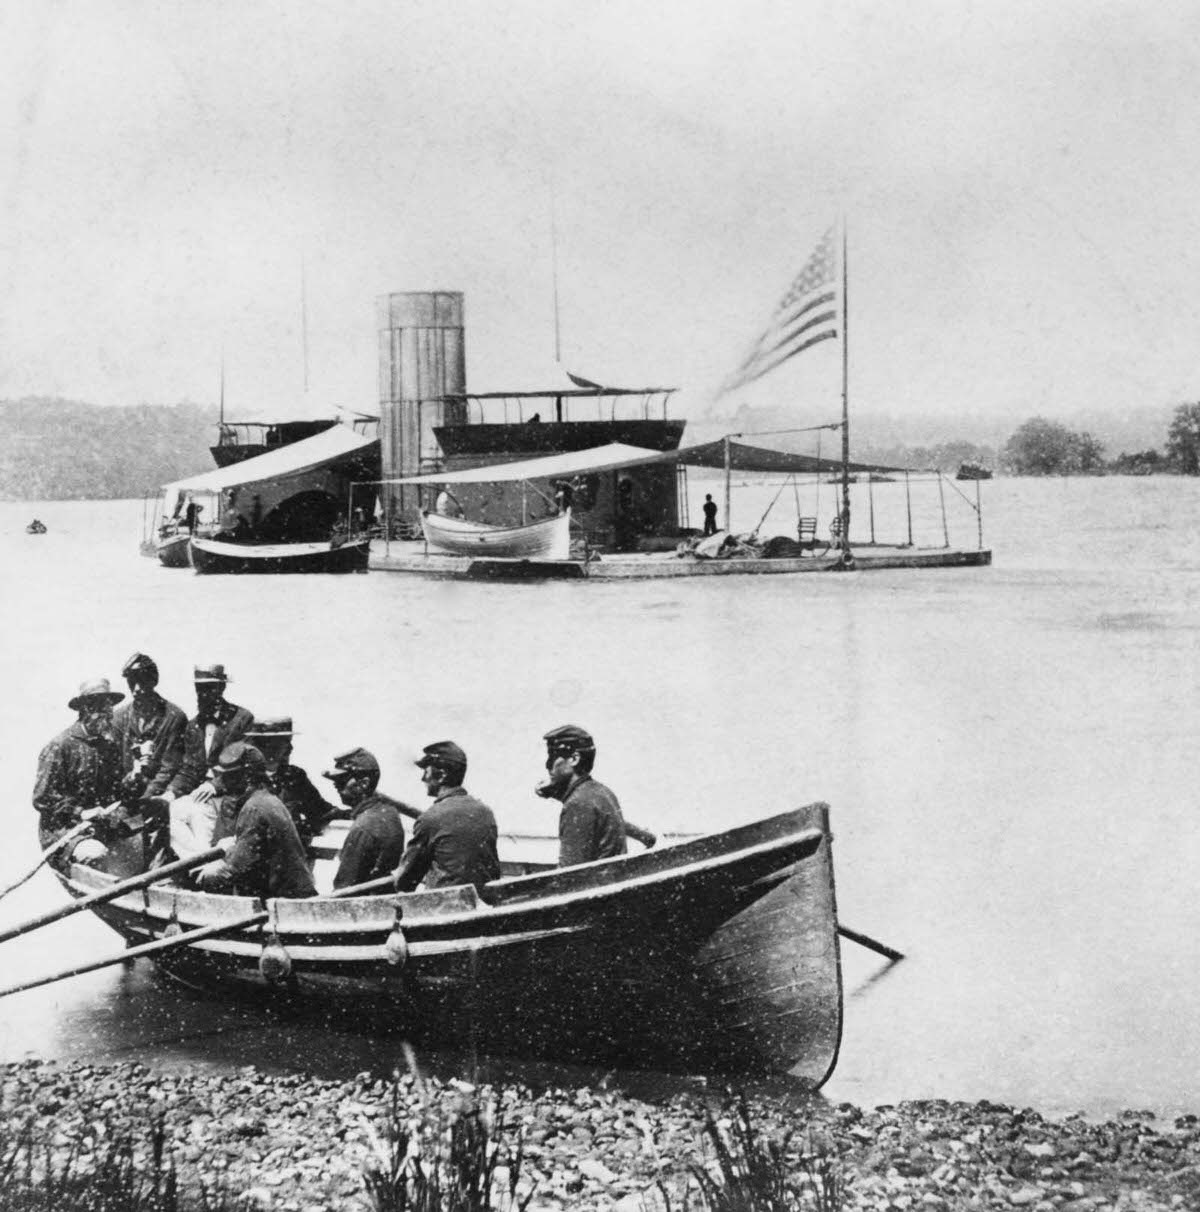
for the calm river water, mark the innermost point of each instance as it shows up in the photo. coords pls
(1009, 754)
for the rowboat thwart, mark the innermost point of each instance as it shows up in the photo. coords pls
(545, 539)
(719, 953)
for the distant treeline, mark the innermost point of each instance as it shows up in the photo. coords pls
(55, 450)
(1045, 448)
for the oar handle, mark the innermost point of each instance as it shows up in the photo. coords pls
(111, 894)
(871, 944)
(639, 834)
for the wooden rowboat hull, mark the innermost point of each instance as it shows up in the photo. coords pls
(547, 539)
(717, 954)
(175, 551)
(215, 556)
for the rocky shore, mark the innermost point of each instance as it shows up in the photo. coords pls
(297, 1144)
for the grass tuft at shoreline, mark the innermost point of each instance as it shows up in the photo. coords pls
(173, 1142)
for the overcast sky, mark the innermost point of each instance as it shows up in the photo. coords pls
(1020, 182)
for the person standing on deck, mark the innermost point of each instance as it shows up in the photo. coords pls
(710, 514)
(266, 857)
(590, 826)
(79, 770)
(272, 737)
(454, 840)
(375, 842)
(216, 724)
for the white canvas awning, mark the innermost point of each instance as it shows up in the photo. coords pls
(573, 463)
(334, 443)
(617, 456)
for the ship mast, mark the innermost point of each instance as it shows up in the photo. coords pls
(845, 532)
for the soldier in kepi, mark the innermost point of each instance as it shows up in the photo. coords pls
(79, 773)
(590, 826)
(216, 724)
(454, 840)
(272, 737)
(264, 857)
(375, 841)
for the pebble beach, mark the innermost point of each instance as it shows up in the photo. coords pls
(298, 1144)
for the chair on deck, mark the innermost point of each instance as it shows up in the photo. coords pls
(806, 532)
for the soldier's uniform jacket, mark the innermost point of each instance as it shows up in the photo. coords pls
(309, 809)
(75, 772)
(154, 737)
(267, 858)
(374, 843)
(230, 723)
(590, 826)
(453, 842)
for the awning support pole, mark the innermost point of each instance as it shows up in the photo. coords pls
(942, 498)
(979, 514)
(728, 526)
(908, 505)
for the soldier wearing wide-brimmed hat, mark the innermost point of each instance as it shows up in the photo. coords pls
(150, 732)
(265, 857)
(272, 736)
(80, 769)
(590, 826)
(375, 841)
(454, 839)
(217, 723)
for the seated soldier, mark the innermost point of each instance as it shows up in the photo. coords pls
(79, 771)
(272, 737)
(376, 838)
(265, 857)
(454, 840)
(590, 825)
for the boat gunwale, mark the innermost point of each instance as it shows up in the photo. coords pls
(165, 902)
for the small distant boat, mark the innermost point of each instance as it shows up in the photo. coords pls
(219, 556)
(547, 539)
(972, 471)
(36, 527)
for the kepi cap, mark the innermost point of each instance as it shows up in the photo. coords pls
(443, 753)
(272, 725)
(95, 688)
(568, 737)
(239, 756)
(139, 663)
(353, 761)
(210, 673)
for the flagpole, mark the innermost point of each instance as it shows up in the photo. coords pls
(847, 559)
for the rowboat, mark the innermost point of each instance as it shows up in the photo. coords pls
(173, 550)
(217, 555)
(546, 539)
(719, 953)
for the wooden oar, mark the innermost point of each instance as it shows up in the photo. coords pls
(47, 854)
(171, 942)
(871, 944)
(111, 894)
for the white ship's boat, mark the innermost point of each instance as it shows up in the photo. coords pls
(547, 539)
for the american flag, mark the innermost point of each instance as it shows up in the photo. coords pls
(806, 315)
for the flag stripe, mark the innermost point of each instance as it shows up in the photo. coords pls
(827, 317)
(802, 319)
(761, 370)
